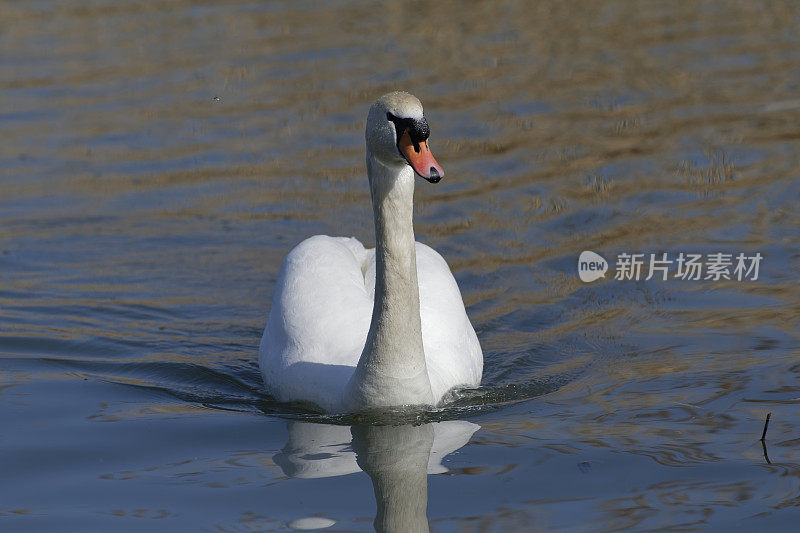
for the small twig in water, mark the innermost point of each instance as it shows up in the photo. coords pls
(766, 425)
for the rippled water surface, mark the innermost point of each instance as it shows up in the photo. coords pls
(159, 159)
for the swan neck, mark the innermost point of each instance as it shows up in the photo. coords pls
(392, 369)
(396, 312)
(393, 210)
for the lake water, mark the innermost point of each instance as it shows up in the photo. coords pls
(159, 159)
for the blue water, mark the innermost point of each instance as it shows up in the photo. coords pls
(161, 158)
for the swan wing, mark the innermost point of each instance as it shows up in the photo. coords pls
(318, 323)
(452, 352)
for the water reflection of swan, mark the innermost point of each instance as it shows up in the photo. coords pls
(396, 458)
(352, 328)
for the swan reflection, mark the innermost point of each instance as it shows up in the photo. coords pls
(397, 459)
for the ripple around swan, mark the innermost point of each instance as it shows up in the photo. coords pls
(233, 387)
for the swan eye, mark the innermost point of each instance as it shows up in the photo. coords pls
(417, 129)
(400, 124)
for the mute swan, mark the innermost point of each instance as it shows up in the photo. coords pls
(352, 328)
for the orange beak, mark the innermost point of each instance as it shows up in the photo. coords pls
(420, 158)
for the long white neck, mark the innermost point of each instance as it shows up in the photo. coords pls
(392, 370)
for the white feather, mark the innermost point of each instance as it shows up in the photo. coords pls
(322, 307)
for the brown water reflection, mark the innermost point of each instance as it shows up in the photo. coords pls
(160, 159)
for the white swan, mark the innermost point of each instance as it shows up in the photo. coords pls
(352, 328)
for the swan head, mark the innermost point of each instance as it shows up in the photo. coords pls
(397, 135)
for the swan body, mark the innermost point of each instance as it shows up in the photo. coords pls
(352, 328)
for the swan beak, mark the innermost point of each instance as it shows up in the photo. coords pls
(420, 158)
